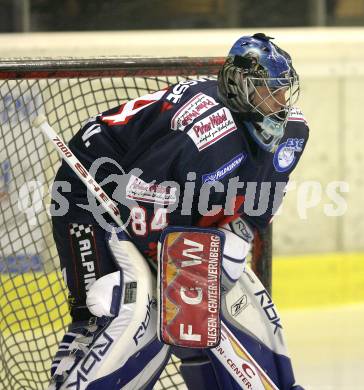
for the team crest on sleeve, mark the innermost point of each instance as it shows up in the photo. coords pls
(224, 169)
(285, 156)
(190, 111)
(211, 129)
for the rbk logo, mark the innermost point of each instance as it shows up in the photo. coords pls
(268, 306)
(94, 356)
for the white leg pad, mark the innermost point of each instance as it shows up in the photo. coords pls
(249, 307)
(130, 329)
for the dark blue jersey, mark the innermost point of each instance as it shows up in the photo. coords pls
(187, 160)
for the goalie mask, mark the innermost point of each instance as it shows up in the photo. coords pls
(259, 82)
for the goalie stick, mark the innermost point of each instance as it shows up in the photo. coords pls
(231, 353)
(109, 206)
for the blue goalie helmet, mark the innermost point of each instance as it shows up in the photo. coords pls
(259, 82)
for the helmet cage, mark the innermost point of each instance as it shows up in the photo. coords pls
(272, 88)
(269, 129)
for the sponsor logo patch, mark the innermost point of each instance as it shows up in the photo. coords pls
(85, 255)
(224, 170)
(296, 115)
(240, 364)
(137, 189)
(212, 128)
(285, 156)
(194, 108)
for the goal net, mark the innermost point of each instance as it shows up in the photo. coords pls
(33, 298)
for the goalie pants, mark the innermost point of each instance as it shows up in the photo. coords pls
(83, 252)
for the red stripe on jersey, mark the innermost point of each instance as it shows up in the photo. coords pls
(166, 106)
(220, 218)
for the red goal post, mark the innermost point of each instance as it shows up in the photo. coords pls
(33, 299)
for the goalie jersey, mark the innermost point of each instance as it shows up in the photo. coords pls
(179, 157)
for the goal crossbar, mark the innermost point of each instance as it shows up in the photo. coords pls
(107, 67)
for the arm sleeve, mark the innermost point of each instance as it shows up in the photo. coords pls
(262, 204)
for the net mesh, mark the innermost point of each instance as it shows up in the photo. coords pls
(33, 298)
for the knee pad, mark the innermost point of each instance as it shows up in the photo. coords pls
(236, 248)
(124, 352)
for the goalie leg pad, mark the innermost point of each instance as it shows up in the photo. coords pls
(114, 353)
(189, 286)
(141, 371)
(252, 347)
